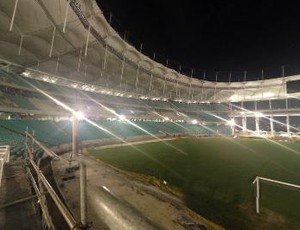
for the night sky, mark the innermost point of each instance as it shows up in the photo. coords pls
(213, 35)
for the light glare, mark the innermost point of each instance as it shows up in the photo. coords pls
(231, 122)
(194, 122)
(79, 115)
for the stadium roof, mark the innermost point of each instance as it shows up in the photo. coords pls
(76, 42)
(212, 36)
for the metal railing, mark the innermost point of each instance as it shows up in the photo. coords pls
(4, 158)
(30, 143)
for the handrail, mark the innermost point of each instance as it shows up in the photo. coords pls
(44, 208)
(60, 205)
(4, 158)
(47, 151)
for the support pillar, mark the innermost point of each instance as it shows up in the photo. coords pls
(75, 135)
(21, 43)
(122, 72)
(164, 86)
(176, 87)
(83, 206)
(66, 16)
(104, 58)
(272, 125)
(137, 77)
(57, 63)
(288, 125)
(150, 83)
(190, 88)
(52, 41)
(79, 60)
(257, 124)
(13, 16)
(244, 123)
(87, 41)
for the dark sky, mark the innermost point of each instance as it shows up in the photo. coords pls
(213, 35)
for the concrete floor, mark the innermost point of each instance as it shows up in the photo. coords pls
(17, 203)
(117, 202)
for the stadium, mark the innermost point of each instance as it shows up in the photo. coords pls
(98, 133)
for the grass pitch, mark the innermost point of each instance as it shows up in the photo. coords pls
(215, 177)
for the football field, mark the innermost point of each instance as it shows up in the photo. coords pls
(214, 176)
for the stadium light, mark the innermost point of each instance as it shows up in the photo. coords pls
(258, 114)
(231, 122)
(26, 73)
(194, 122)
(166, 118)
(79, 115)
(122, 117)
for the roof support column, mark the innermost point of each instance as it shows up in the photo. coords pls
(151, 79)
(176, 87)
(79, 60)
(272, 125)
(244, 85)
(13, 16)
(87, 40)
(66, 16)
(215, 91)
(104, 65)
(52, 41)
(164, 87)
(57, 62)
(122, 72)
(261, 85)
(287, 117)
(244, 123)
(257, 124)
(288, 125)
(21, 43)
(244, 119)
(105, 56)
(193, 91)
(137, 77)
(256, 118)
(190, 86)
(271, 119)
(229, 81)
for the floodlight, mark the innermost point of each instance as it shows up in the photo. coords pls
(231, 122)
(121, 117)
(166, 118)
(194, 122)
(258, 114)
(26, 74)
(79, 115)
(268, 94)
